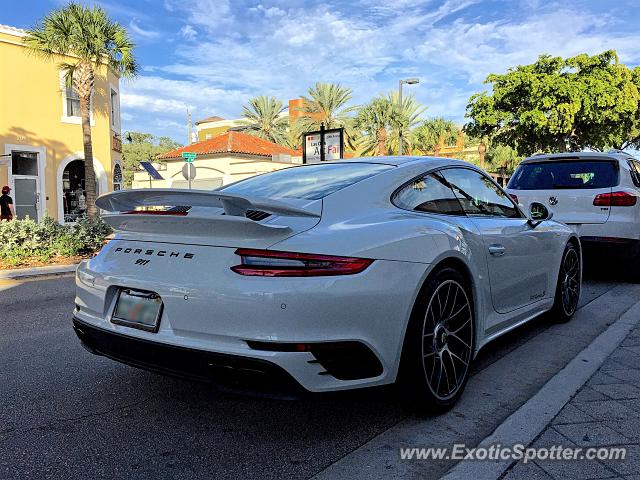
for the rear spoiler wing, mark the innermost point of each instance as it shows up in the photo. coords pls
(233, 204)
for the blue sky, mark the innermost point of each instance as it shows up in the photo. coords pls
(213, 55)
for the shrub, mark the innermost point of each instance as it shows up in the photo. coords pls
(24, 239)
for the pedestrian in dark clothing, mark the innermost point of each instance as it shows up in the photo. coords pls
(6, 205)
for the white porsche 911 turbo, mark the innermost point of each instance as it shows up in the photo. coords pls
(326, 276)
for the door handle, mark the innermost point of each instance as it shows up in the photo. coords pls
(496, 250)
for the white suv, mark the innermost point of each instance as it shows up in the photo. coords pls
(596, 194)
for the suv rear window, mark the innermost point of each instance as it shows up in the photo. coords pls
(309, 182)
(556, 174)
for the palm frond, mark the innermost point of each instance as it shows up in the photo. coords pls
(86, 33)
(263, 117)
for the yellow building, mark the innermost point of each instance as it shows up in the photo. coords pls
(41, 150)
(209, 127)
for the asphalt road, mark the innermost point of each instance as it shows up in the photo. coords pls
(65, 413)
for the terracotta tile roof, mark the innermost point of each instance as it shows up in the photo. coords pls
(232, 142)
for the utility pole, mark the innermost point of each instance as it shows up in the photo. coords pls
(189, 126)
(408, 81)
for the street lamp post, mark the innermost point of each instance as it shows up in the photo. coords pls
(408, 81)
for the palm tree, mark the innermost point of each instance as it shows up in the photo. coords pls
(264, 118)
(433, 133)
(375, 121)
(405, 120)
(93, 40)
(326, 105)
(382, 120)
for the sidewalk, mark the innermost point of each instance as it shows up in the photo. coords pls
(604, 412)
(36, 271)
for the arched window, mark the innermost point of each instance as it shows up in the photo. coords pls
(117, 177)
(73, 192)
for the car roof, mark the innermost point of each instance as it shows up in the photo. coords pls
(406, 160)
(612, 155)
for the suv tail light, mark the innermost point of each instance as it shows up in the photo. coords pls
(615, 199)
(267, 263)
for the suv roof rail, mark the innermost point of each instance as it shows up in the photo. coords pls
(617, 150)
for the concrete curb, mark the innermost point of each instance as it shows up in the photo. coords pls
(36, 271)
(526, 423)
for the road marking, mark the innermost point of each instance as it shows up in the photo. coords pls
(6, 284)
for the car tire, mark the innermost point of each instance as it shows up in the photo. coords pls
(439, 344)
(569, 284)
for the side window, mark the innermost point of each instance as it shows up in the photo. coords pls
(634, 170)
(431, 194)
(479, 195)
(73, 102)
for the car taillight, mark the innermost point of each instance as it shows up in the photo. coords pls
(514, 197)
(156, 212)
(267, 263)
(615, 199)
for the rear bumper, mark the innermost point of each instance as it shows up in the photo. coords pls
(208, 307)
(233, 371)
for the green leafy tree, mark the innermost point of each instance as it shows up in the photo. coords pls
(143, 147)
(263, 117)
(558, 104)
(502, 157)
(89, 37)
(326, 104)
(435, 132)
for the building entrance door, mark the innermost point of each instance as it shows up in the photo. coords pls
(26, 197)
(26, 184)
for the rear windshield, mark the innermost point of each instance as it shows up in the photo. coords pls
(565, 174)
(309, 182)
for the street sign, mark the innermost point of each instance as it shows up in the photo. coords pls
(189, 156)
(189, 171)
(151, 170)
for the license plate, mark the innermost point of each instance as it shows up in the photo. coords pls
(138, 309)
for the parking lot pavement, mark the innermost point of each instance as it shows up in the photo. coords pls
(68, 414)
(605, 412)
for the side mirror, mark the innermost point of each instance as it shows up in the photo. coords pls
(538, 213)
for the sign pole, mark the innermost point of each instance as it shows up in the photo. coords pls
(322, 142)
(189, 158)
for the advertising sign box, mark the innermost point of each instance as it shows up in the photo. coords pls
(333, 145)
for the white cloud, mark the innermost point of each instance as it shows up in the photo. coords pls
(479, 49)
(141, 32)
(188, 32)
(209, 14)
(367, 45)
(152, 103)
